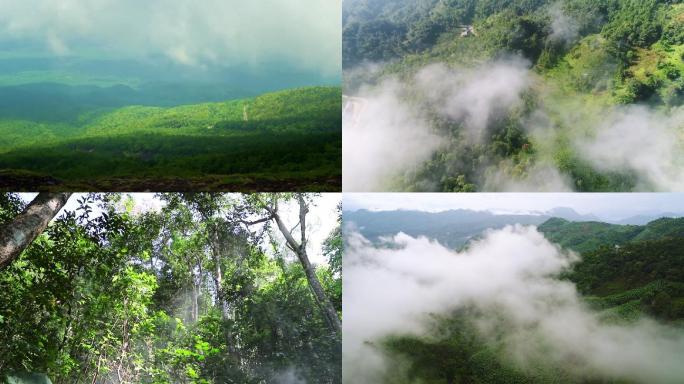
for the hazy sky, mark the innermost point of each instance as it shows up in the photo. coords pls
(321, 219)
(305, 34)
(605, 205)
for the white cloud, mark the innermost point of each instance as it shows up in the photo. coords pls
(303, 33)
(537, 178)
(390, 137)
(475, 97)
(388, 134)
(510, 275)
(640, 140)
(563, 28)
(382, 138)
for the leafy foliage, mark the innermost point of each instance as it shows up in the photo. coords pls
(186, 294)
(627, 269)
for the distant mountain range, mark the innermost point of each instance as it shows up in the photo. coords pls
(453, 228)
(625, 271)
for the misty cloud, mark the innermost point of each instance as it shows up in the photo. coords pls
(475, 97)
(300, 33)
(288, 376)
(383, 137)
(393, 137)
(510, 277)
(640, 140)
(537, 178)
(563, 28)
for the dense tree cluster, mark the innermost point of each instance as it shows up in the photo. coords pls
(603, 52)
(200, 291)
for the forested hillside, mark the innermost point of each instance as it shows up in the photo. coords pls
(627, 270)
(287, 140)
(521, 94)
(201, 290)
(484, 318)
(589, 235)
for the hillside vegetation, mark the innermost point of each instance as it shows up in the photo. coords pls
(279, 141)
(627, 275)
(587, 60)
(627, 270)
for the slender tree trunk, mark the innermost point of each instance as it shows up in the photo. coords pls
(18, 234)
(218, 275)
(199, 282)
(124, 343)
(195, 294)
(322, 300)
(97, 370)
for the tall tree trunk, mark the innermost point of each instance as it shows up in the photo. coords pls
(123, 351)
(220, 299)
(218, 274)
(18, 234)
(194, 310)
(195, 294)
(322, 300)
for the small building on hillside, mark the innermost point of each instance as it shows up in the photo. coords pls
(467, 30)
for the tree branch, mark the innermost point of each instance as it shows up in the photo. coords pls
(262, 220)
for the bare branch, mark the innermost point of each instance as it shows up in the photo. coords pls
(262, 220)
(295, 227)
(303, 210)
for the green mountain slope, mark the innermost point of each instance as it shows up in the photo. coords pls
(626, 273)
(590, 235)
(587, 236)
(291, 138)
(627, 270)
(586, 57)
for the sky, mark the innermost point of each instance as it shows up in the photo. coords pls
(321, 219)
(612, 206)
(304, 34)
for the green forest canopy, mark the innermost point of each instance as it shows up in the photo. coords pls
(609, 52)
(200, 291)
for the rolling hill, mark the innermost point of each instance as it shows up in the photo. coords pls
(627, 270)
(453, 228)
(629, 279)
(286, 140)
